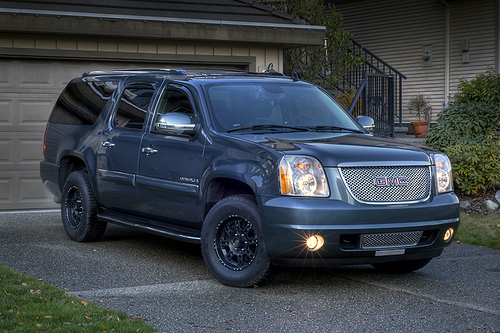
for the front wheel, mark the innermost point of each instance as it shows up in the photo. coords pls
(232, 242)
(79, 209)
(401, 266)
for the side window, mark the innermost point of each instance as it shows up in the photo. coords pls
(174, 102)
(81, 102)
(133, 106)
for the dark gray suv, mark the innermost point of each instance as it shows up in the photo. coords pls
(260, 169)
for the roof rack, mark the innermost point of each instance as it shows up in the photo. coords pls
(190, 71)
(136, 71)
(224, 71)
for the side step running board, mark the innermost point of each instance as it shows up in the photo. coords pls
(170, 231)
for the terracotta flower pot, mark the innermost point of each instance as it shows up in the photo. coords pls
(420, 128)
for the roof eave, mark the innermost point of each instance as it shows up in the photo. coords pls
(148, 27)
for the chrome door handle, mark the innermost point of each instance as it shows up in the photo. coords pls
(107, 144)
(149, 151)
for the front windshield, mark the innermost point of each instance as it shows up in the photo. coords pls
(264, 105)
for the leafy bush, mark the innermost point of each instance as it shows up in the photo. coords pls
(484, 88)
(468, 131)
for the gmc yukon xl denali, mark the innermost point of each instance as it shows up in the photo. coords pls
(259, 169)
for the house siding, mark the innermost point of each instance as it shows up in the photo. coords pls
(262, 55)
(396, 31)
(476, 23)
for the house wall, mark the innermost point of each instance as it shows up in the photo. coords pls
(475, 21)
(205, 53)
(400, 31)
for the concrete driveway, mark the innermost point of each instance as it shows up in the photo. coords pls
(166, 282)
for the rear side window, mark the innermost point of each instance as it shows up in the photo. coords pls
(133, 106)
(81, 103)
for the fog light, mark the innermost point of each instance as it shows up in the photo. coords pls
(448, 234)
(315, 242)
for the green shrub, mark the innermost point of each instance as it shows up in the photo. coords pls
(475, 165)
(484, 88)
(468, 131)
(466, 122)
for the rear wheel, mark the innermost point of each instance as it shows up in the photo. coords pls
(79, 209)
(401, 266)
(232, 242)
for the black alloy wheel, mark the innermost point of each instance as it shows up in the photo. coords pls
(233, 244)
(236, 242)
(79, 209)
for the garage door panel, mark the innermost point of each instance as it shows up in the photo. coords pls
(24, 190)
(35, 111)
(32, 110)
(20, 151)
(6, 150)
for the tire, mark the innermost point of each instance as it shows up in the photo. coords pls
(401, 266)
(79, 209)
(232, 242)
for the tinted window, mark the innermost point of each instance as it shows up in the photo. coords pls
(82, 102)
(242, 104)
(174, 101)
(133, 106)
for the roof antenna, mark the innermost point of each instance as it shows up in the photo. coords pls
(295, 76)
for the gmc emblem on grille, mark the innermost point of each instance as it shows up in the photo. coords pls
(384, 181)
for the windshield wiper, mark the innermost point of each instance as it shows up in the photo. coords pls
(334, 128)
(269, 126)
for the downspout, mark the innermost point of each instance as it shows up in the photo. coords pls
(447, 54)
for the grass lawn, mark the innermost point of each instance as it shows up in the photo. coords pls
(31, 305)
(478, 229)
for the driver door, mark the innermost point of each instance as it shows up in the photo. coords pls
(170, 164)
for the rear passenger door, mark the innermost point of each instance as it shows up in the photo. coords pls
(120, 147)
(170, 164)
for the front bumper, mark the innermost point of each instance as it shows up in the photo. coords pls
(287, 223)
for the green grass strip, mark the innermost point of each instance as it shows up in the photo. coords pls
(31, 305)
(478, 229)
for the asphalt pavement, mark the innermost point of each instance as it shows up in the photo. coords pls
(167, 283)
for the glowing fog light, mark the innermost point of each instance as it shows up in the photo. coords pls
(448, 234)
(315, 242)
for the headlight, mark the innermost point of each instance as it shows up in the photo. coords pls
(303, 176)
(443, 173)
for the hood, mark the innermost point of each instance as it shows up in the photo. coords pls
(333, 149)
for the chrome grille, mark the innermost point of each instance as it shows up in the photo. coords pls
(361, 183)
(373, 241)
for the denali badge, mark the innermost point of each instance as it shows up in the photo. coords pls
(384, 181)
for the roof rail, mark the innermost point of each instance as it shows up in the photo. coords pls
(225, 71)
(136, 71)
(190, 71)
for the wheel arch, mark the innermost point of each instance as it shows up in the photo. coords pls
(70, 163)
(222, 187)
(67, 165)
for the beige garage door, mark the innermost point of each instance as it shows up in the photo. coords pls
(28, 91)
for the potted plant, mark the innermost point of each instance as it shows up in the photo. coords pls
(419, 104)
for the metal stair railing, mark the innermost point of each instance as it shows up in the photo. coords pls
(384, 109)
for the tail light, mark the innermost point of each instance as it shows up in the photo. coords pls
(44, 145)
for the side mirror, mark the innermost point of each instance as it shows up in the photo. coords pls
(367, 122)
(176, 123)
